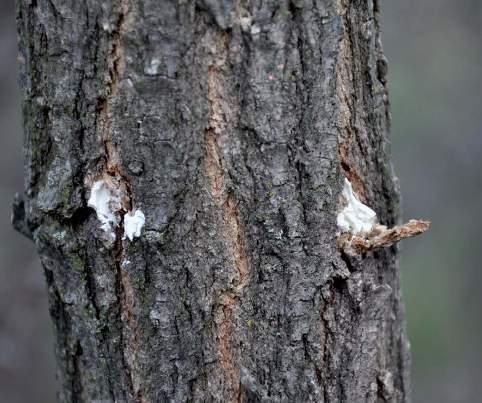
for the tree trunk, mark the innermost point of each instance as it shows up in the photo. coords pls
(231, 125)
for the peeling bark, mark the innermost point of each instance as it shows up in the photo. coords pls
(232, 125)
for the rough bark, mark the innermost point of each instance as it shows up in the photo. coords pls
(232, 124)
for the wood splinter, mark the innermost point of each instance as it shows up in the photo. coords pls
(380, 236)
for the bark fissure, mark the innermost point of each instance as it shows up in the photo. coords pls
(346, 96)
(104, 107)
(231, 230)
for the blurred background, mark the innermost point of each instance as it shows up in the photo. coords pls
(434, 48)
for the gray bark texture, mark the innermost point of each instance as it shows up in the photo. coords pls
(231, 124)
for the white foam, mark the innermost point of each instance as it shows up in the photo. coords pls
(133, 223)
(104, 202)
(355, 217)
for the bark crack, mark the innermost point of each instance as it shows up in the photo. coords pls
(112, 173)
(344, 94)
(104, 106)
